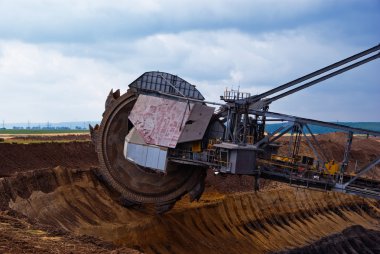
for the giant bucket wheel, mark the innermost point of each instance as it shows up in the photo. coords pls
(134, 184)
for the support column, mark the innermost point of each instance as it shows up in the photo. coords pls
(347, 149)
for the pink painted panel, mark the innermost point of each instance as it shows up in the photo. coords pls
(159, 121)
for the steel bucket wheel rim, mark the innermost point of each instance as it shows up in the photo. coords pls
(196, 176)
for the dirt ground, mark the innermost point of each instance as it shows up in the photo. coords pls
(47, 137)
(25, 157)
(18, 235)
(51, 201)
(332, 145)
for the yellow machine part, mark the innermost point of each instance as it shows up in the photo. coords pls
(196, 147)
(332, 167)
(282, 158)
(210, 144)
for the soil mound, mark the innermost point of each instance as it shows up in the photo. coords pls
(355, 239)
(67, 209)
(23, 157)
(237, 183)
(261, 222)
(17, 235)
(363, 150)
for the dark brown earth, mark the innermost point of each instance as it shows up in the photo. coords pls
(24, 157)
(18, 235)
(52, 137)
(57, 204)
(354, 239)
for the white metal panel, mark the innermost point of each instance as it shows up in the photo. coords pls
(146, 155)
(162, 159)
(136, 153)
(152, 157)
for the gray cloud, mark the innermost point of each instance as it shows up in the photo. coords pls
(58, 60)
(86, 21)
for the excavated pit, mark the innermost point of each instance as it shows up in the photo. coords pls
(278, 219)
(281, 219)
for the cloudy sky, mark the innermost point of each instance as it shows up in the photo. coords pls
(60, 58)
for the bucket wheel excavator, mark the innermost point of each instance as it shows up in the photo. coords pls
(156, 141)
(140, 178)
